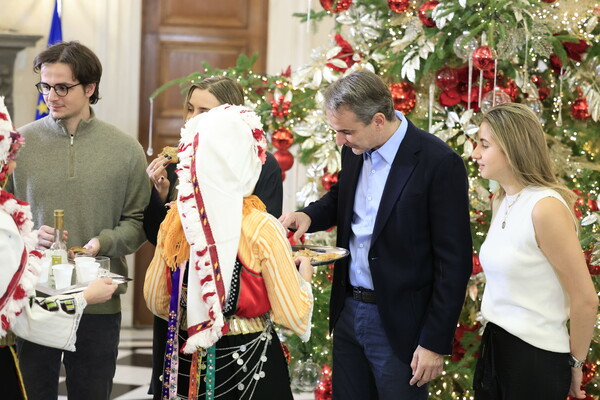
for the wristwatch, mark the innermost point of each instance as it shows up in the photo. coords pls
(575, 363)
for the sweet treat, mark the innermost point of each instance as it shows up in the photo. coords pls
(170, 151)
(78, 250)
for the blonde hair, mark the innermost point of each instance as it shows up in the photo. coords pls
(225, 90)
(518, 132)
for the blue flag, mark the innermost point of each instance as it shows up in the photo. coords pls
(54, 37)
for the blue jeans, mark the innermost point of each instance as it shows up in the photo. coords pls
(364, 364)
(90, 369)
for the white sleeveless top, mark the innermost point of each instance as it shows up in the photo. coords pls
(523, 294)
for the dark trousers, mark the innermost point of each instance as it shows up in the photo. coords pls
(510, 369)
(90, 370)
(364, 364)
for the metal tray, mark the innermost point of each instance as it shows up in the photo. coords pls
(80, 287)
(338, 251)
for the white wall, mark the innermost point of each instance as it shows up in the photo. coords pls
(112, 29)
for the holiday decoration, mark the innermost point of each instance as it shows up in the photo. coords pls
(305, 375)
(476, 265)
(493, 98)
(425, 13)
(536, 106)
(398, 6)
(446, 78)
(323, 391)
(549, 1)
(579, 109)
(463, 46)
(343, 59)
(484, 58)
(404, 97)
(282, 138)
(336, 6)
(328, 180)
(285, 159)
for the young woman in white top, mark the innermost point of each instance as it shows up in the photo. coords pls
(536, 274)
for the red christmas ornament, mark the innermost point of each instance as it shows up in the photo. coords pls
(282, 138)
(446, 78)
(477, 268)
(484, 58)
(328, 180)
(425, 13)
(336, 6)
(579, 109)
(398, 6)
(323, 390)
(403, 94)
(285, 159)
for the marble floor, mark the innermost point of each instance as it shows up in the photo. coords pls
(134, 368)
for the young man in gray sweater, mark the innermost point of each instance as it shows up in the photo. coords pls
(96, 173)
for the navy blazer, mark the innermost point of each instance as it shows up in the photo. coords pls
(421, 249)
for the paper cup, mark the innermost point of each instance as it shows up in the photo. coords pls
(86, 271)
(62, 275)
(44, 270)
(84, 259)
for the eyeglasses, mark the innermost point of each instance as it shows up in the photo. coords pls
(60, 89)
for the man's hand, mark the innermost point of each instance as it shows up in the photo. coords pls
(46, 237)
(93, 247)
(296, 220)
(426, 365)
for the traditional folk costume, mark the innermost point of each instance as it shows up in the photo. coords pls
(49, 321)
(229, 269)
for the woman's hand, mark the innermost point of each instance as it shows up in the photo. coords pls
(575, 389)
(304, 268)
(99, 291)
(157, 172)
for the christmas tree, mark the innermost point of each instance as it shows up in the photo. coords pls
(446, 62)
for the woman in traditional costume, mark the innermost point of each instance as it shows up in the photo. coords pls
(230, 268)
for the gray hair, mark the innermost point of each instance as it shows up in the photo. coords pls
(363, 93)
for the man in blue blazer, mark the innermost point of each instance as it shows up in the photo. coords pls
(401, 207)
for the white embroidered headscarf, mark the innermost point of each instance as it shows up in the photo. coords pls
(221, 154)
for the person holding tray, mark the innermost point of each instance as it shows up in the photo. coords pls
(50, 321)
(230, 268)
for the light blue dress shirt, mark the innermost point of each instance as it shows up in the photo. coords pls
(371, 182)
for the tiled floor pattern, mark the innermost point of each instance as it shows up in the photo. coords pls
(134, 368)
